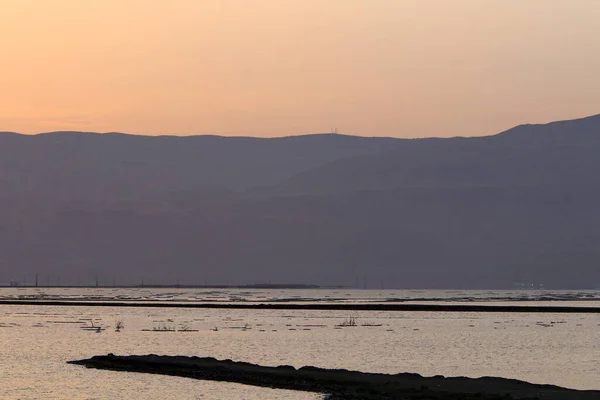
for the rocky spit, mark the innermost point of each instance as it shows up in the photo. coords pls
(337, 384)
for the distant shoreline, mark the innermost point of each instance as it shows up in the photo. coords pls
(175, 286)
(290, 286)
(315, 306)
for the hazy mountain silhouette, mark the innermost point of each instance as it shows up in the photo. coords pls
(556, 153)
(517, 207)
(79, 165)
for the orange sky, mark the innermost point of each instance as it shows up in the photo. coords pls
(406, 68)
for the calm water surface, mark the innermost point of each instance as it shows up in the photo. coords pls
(183, 295)
(36, 342)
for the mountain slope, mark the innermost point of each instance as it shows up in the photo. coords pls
(77, 165)
(519, 207)
(551, 154)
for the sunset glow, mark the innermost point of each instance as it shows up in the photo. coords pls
(406, 68)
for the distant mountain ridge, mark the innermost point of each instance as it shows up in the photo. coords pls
(514, 209)
(573, 127)
(88, 165)
(555, 153)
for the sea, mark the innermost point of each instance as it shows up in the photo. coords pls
(36, 341)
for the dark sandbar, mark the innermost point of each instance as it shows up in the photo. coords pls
(319, 306)
(338, 384)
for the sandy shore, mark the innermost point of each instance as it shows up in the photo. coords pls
(338, 384)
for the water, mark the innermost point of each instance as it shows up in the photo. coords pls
(233, 295)
(36, 342)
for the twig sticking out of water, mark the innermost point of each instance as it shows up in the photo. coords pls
(348, 322)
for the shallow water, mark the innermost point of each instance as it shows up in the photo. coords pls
(185, 295)
(36, 342)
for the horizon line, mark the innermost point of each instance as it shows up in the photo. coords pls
(286, 136)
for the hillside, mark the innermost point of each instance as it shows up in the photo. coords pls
(519, 207)
(558, 153)
(114, 166)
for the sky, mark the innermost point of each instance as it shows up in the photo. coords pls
(403, 68)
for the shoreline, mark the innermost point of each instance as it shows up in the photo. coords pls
(338, 384)
(317, 306)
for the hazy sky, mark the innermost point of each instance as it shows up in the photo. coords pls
(404, 68)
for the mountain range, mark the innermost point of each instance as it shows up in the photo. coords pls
(516, 209)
